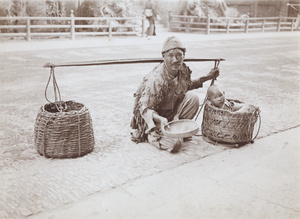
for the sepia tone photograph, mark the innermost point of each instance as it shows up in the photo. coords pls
(157, 109)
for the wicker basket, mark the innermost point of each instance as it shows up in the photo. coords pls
(223, 126)
(66, 134)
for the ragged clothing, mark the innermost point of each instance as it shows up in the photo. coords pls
(159, 93)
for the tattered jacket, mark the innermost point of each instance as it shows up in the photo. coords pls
(154, 94)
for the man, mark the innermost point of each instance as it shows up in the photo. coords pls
(150, 13)
(164, 95)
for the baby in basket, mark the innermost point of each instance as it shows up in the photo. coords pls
(216, 96)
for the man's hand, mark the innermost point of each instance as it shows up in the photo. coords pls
(213, 74)
(176, 117)
(161, 120)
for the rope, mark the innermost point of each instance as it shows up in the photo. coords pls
(57, 96)
(79, 134)
(217, 62)
(258, 111)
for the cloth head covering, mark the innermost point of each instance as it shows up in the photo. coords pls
(172, 43)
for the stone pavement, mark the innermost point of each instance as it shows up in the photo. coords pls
(260, 180)
(256, 181)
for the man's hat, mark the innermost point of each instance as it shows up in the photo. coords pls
(172, 43)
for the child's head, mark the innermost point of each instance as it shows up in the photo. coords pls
(216, 96)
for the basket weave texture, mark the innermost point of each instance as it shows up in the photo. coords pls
(66, 134)
(225, 126)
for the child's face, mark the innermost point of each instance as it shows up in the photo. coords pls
(217, 98)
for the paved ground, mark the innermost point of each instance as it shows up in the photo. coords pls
(35, 45)
(257, 181)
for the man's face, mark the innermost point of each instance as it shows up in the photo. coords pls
(173, 60)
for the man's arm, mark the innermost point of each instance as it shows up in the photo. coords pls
(148, 104)
(214, 73)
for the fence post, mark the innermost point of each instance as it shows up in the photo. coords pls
(263, 26)
(297, 22)
(109, 29)
(28, 35)
(170, 21)
(188, 25)
(292, 25)
(227, 26)
(208, 24)
(247, 25)
(279, 23)
(72, 25)
(143, 26)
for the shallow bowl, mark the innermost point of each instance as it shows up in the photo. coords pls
(181, 128)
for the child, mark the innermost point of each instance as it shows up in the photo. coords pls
(216, 96)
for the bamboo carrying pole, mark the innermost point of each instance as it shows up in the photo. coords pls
(124, 61)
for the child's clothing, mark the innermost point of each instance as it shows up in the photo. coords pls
(231, 105)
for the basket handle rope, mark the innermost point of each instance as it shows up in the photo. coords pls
(259, 124)
(217, 62)
(57, 96)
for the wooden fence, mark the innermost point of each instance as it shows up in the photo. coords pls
(70, 27)
(227, 25)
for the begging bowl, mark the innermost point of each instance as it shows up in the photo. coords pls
(181, 128)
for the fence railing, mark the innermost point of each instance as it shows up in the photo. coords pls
(70, 27)
(227, 25)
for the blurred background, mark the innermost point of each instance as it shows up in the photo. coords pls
(131, 8)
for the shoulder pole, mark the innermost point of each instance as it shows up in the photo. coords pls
(124, 61)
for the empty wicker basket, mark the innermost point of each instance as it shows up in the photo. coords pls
(66, 134)
(224, 126)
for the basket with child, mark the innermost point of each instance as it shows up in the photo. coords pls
(226, 120)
